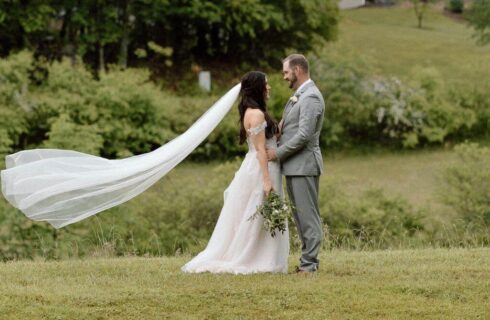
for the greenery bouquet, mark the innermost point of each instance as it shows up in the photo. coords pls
(276, 213)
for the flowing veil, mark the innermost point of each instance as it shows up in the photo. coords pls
(63, 186)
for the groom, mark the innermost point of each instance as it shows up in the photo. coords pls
(300, 156)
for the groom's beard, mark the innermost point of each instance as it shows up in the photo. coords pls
(293, 81)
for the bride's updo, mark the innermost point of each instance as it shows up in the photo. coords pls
(253, 95)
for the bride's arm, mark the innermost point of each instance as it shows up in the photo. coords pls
(253, 122)
(278, 134)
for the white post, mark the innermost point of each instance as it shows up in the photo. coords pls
(205, 80)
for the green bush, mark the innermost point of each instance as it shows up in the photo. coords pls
(370, 220)
(478, 102)
(466, 186)
(119, 115)
(361, 109)
(88, 137)
(14, 80)
(455, 6)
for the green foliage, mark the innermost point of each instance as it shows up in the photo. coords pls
(14, 80)
(365, 109)
(478, 102)
(370, 220)
(455, 6)
(466, 186)
(121, 114)
(21, 238)
(279, 95)
(419, 114)
(61, 136)
(275, 212)
(166, 33)
(478, 17)
(131, 113)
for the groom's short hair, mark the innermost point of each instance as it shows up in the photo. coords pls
(298, 60)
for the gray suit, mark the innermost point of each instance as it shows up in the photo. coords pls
(302, 164)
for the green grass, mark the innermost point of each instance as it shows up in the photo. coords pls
(422, 284)
(414, 175)
(388, 40)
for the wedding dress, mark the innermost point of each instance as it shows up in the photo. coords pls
(239, 245)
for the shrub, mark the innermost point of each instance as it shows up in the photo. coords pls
(478, 102)
(119, 115)
(371, 220)
(420, 114)
(362, 109)
(14, 80)
(88, 139)
(455, 6)
(466, 185)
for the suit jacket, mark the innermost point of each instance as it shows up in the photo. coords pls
(299, 145)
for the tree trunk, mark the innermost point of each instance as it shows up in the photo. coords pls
(123, 50)
(101, 58)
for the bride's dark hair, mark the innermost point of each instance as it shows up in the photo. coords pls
(253, 95)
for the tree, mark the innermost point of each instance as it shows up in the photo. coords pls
(479, 18)
(420, 7)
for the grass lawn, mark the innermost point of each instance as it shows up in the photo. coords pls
(422, 284)
(389, 41)
(415, 175)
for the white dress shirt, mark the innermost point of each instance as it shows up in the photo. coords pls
(301, 86)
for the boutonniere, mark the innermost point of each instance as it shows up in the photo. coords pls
(294, 99)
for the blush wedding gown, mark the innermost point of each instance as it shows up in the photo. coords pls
(239, 245)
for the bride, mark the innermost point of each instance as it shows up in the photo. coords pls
(239, 245)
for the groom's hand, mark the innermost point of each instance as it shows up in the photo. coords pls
(271, 154)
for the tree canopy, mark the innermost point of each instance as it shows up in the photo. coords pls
(166, 32)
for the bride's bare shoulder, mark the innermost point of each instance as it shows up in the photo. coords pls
(254, 117)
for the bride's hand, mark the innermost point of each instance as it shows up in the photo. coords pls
(267, 187)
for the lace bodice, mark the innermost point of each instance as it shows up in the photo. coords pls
(269, 143)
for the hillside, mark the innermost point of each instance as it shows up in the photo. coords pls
(388, 40)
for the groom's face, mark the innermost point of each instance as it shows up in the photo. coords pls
(289, 75)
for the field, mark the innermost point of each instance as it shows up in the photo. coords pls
(407, 284)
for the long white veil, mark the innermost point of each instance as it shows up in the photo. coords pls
(63, 186)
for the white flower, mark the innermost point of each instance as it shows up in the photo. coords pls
(294, 99)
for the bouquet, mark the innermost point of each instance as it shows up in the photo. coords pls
(275, 211)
